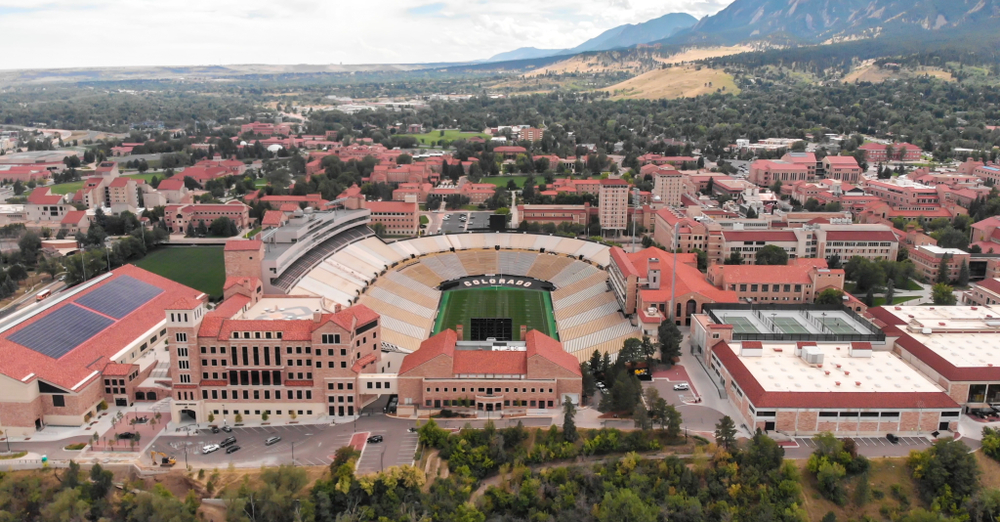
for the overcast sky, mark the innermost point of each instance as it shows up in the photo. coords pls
(90, 33)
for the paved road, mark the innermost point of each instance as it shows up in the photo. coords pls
(434, 227)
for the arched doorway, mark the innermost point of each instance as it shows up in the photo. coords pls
(188, 416)
(150, 396)
(140, 396)
(692, 308)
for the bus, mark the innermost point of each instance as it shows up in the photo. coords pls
(43, 294)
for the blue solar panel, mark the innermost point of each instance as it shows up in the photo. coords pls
(61, 331)
(120, 297)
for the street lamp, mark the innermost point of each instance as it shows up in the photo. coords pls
(8, 440)
(293, 453)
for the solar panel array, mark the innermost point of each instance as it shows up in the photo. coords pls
(120, 297)
(62, 330)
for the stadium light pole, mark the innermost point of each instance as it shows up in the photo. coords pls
(673, 276)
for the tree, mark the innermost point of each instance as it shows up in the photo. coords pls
(589, 382)
(772, 255)
(725, 433)
(670, 338)
(734, 258)
(751, 213)
(379, 229)
(943, 270)
(890, 291)
(947, 469)
(404, 159)
(641, 418)
(569, 424)
(30, 245)
(833, 262)
(963, 273)
(223, 227)
(952, 238)
(870, 297)
(830, 296)
(943, 294)
(202, 228)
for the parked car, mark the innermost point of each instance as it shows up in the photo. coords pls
(227, 429)
(393, 403)
(272, 440)
(210, 448)
(228, 441)
(892, 438)
(128, 435)
(682, 386)
(215, 429)
(374, 439)
(232, 449)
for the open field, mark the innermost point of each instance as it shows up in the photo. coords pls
(872, 73)
(69, 188)
(501, 181)
(532, 308)
(430, 138)
(883, 475)
(674, 82)
(591, 63)
(201, 267)
(703, 53)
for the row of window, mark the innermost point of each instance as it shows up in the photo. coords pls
(485, 390)
(507, 402)
(765, 287)
(235, 395)
(257, 412)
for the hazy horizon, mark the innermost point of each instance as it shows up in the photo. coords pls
(116, 33)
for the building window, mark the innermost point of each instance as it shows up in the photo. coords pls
(182, 337)
(58, 401)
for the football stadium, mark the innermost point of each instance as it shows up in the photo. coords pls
(425, 285)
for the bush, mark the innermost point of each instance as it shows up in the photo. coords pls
(76, 447)
(103, 405)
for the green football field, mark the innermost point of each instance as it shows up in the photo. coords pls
(532, 308)
(200, 267)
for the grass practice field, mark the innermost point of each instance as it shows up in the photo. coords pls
(532, 308)
(202, 267)
(432, 137)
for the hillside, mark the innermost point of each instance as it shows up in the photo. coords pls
(623, 36)
(674, 82)
(815, 22)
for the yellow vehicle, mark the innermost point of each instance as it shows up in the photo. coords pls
(165, 460)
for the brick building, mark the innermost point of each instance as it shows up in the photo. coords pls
(576, 214)
(400, 218)
(99, 340)
(669, 186)
(613, 205)
(508, 376)
(530, 134)
(880, 152)
(178, 217)
(765, 172)
(798, 282)
(927, 261)
(814, 380)
(288, 357)
(841, 168)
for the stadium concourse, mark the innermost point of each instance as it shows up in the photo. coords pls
(400, 281)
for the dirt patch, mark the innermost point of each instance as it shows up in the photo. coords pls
(991, 471)
(599, 63)
(869, 72)
(704, 53)
(674, 82)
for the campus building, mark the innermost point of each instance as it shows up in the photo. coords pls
(954, 346)
(288, 357)
(97, 341)
(613, 205)
(505, 376)
(178, 217)
(802, 370)
(927, 261)
(798, 282)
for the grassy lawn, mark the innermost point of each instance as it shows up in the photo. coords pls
(501, 181)
(880, 301)
(532, 308)
(201, 267)
(912, 285)
(69, 188)
(432, 137)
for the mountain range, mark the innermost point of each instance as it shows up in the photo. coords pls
(818, 21)
(623, 36)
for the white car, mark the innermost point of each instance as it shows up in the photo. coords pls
(210, 448)
(682, 386)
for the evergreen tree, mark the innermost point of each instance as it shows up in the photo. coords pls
(963, 274)
(569, 423)
(725, 433)
(942, 275)
(890, 291)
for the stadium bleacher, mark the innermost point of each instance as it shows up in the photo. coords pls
(312, 258)
(400, 280)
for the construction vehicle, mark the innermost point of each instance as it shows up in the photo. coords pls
(165, 460)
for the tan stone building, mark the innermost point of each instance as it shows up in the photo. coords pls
(613, 205)
(509, 376)
(288, 357)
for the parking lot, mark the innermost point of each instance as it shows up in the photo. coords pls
(397, 449)
(314, 445)
(454, 225)
(874, 442)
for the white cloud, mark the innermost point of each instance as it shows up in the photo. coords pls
(89, 33)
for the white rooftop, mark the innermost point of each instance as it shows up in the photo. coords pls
(934, 249)
(965, 336)
(282, 308)
(783, 371)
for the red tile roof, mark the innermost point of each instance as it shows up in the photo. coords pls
(44, 196)
(243, 245)
(73, 217)
(119, 183)
(490, 362)
(117, 369)
(613, 182)
(541, 345)
(390, 206)
(855, 400)
(483, 362)
(79, 365)
(272, 218)
(442, 344)
(759, 235)
(171, 184)
(362, 362)
(842, 161)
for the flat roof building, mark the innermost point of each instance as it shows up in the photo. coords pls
(805, 370)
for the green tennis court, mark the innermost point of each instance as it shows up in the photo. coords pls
(790, 325)
(741, 325)
(837, 326)
(532, 308)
